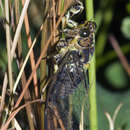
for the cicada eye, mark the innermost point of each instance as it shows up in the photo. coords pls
(84, 32)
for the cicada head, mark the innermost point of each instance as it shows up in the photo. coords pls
(86, 34)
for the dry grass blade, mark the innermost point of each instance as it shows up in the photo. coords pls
(27, 96)
(16, 125)
(32, 54)
(111, 125)
(112, 120)
(53, 107)
(120, 54)
(25, 61)
(13, 114)
(39, 60)
(18, 30)
(3, 94)
(8, 43)
(8, 46)
(116, 112)
(14, 47)
(15, 41)
(81, 127)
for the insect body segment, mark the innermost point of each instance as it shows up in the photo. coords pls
(80, 39)
(69, 75)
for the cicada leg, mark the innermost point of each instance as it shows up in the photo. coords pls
(75, 9)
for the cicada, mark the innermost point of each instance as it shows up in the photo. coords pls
(70, 64)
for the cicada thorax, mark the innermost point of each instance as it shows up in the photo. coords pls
(81, 39)
(83, 35)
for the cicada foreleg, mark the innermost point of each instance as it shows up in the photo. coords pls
(75, 9)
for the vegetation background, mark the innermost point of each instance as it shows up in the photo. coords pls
(112, 61)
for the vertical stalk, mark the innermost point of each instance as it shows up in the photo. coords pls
(32, 60)
(8, 41)
(92, 76)
(8, 46)
(43, 66)
(27, 95)
(62, 5)
(43, 75)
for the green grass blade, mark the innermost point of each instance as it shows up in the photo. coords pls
(92, 76)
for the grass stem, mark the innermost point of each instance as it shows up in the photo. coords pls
(92, 76)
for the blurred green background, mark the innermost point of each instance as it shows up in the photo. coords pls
(113, 82)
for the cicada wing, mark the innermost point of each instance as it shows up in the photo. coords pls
(69, 76)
